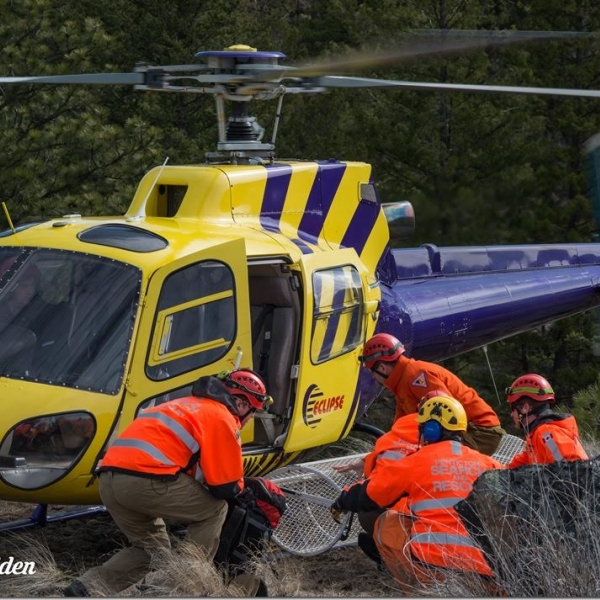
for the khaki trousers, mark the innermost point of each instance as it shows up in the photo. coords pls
(484, 439)
(138, 505)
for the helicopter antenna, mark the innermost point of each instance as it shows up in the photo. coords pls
(141, 213)
(10, 223)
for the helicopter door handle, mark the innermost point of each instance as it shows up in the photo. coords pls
(371, 306)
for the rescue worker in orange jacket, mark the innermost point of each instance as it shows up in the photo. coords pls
(410, 379)
(180, 460)
(369, 496)
(421, 537)
(549, 436)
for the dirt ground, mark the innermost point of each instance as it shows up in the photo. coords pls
(79, 544)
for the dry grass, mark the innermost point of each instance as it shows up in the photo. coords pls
(48, 579)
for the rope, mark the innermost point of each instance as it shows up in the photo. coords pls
(487, 358)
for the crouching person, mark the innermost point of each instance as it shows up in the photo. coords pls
(180, 461)
(549, 436)
(368, 497)
(421, 538)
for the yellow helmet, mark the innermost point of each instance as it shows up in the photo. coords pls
(448, 412)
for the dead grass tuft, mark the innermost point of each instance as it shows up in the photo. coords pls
(48, 579)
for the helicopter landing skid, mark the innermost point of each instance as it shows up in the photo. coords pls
(40, 517)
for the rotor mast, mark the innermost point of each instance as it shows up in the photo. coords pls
(240, 134)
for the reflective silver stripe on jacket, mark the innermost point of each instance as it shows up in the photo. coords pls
(146, 447)
(199, 475)
(551, 445)
(444, 539)
(457, 448)
(392, 455)
(417, 507)
(176, 428)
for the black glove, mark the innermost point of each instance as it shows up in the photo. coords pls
(336, 510)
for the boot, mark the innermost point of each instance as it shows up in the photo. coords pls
(77, 590)
(367, 545)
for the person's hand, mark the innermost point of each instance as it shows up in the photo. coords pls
(337, 512)
(358, 466)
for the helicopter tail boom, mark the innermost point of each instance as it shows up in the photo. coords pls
(445, 301)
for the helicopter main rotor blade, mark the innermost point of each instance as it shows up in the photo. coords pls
(90, 79)
(432, 42)
(362, 82)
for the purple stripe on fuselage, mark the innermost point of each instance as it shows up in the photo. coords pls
(361, 226)
(319, 202)
(276, 188)
(302, 246)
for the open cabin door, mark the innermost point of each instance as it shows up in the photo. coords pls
(337, 305)
(195, 319)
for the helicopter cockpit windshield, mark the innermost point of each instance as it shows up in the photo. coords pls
(65, 317)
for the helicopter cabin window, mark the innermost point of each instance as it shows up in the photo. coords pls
(124, 236)
(195, 321)
(45, 448)
(66, 318)
(338, 313)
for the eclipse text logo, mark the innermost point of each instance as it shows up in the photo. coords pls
(16, 567)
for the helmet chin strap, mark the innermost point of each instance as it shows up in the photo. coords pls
(380, 373)
(250, 411)
(525, 421)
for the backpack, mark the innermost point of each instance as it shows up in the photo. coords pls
(251, 518)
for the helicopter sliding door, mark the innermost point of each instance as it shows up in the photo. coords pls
(337, 301)
(195, 321)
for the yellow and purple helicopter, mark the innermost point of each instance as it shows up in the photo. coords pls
(245, 260)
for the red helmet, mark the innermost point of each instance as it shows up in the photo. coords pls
(248, 384)
(382, 346)
(531, 386)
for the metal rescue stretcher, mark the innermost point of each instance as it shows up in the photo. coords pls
(307, 527)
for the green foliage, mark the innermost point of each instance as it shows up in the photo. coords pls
(587, 409)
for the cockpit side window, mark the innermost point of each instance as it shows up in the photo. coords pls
(195, 322)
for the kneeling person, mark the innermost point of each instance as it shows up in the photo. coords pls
(421, 537)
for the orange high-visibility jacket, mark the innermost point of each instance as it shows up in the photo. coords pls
(411, 379)
(550, 441)
(393, 446)
(428, 484)
(402, 438)
(187, 435)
